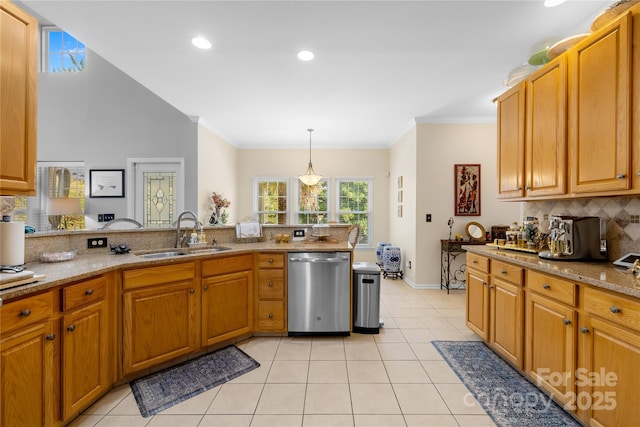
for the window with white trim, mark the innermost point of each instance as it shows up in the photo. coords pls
(271, 197)
(354, 203)
(313, 202)
(61, 52)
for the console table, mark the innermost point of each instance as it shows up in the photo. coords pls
(449, 251)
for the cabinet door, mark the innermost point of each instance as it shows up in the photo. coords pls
(159, 323)
(546, 139)
(227, 306)
(608, 375)
(600, 96)
(507, 320)
(18, 103)
(27, 372)
(478, 303)
(85, 357)
(550, 346)
(511, 131)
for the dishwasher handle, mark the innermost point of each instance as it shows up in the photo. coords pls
(317, 260)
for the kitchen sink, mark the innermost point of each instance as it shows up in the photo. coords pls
(210, 250)
(165, 254)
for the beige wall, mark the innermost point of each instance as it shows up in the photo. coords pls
(402, 161)
(439, 147)
(217, 160)
(328, 163)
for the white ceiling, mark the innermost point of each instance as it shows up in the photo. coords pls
(380, 66)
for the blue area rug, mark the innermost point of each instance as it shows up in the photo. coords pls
(163, 389)
(507, 396)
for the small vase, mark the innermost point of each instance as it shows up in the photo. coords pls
(215, 217)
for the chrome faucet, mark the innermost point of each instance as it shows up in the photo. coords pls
(195, 220)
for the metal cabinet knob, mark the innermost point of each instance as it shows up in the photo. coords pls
(584, 330)
(614, 309)
(621, 176)
(89, 292)
(192, 291)
(270, 260)
(503, 272)
(26, 312)
(527, 187)
(206, 288)
(474, 261)
(270, 316)
(71, 328)
(51, 337)
(546, 286)
(491, 287)
(270, 285)
(566, 321)
(484, 283)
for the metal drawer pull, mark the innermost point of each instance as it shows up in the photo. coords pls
(89, 292)
(566, 321)
(584, 330)
(614, 309)
(503, 271)
(546, 286)
(474, 262)
(270, 260)
(26, 312)
(71, 328)
(51, 337)
(270, 285)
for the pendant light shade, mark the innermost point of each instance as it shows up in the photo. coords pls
(310, 177)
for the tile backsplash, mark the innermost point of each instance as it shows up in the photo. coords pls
(622, 215)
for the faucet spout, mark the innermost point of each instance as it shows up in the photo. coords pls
(195, 221)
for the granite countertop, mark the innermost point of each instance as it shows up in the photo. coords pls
(600, 274)
(85, 266)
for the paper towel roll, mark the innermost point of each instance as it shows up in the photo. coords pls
(11, 243)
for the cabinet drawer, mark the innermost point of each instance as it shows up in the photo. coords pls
(271, 284)
(270, 260)
(271, 315)
(155, 275)
(617, 308)
(508, 272)
(553, 287)
(17, 314)
(83, 293)
(478, 262)
(232, 264)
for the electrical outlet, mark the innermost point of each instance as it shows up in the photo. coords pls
(108, 217)
(428, 217)
(409, 265)
(97, 242)
(100, 217)
(298, 235)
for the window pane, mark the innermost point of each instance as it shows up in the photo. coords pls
(313, 203)
(63, 52)
(271, 202)
(353, 206)
(55, 41)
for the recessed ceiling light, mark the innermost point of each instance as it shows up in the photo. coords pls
(305, 55)
(201, 43)
(553, 3)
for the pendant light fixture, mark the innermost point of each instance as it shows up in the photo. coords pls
(310, 177)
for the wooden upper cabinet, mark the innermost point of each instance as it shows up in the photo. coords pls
(18, 100)
(511, 128)
(546, 130)
(599, 113)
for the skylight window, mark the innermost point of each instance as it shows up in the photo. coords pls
(61, 52)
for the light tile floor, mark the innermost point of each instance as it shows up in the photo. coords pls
(395, 378)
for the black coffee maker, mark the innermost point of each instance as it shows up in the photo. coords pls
(576, 238)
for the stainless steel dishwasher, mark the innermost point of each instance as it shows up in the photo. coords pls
(319, 293)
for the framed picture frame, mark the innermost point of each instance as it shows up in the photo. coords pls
(106, 183)
(466, 190)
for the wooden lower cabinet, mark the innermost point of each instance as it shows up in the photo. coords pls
(271, 315)
(87, 363)
(29, 354)
(478, 302)
(507, 320)
(550, 346)
(227, 306)
(159, 323)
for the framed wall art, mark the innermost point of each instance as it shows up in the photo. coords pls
(467, 190)
(106, 183)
